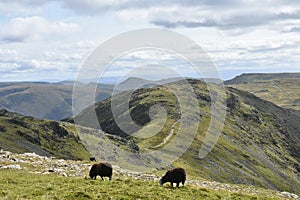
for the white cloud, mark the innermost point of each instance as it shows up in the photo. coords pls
(19, 8)
(57, 35)
(20, 29)
(227, 14)
(232, 18)
(26, 2)
(7, 52)
(81, 44)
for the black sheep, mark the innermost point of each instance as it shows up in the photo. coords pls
(102, 170)
(176, 175)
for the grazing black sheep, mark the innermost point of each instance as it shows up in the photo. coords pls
(176, 175)
(102, 170)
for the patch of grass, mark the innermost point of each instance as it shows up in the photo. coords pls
(44, 137)
(22, 185)
(284, 92)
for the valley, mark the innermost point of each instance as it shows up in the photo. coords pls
(258, 146)
(44, 100)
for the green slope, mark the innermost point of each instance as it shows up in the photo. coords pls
(259, 145)
(281, 89)
(26, 134)
(25, 185)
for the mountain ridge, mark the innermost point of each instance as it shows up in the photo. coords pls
(283, 89)
(252, 77)
(259, 144)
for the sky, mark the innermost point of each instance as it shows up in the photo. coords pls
(50, 40)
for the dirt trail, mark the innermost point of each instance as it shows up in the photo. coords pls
(166, 139)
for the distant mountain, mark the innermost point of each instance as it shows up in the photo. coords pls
(256, 77)
(103, 80)
(108, 87)
(283, 89)
(259, 145)
(67, 83)
(44, 100)
(133, 82)
(22, 134)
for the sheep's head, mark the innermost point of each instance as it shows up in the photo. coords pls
(162, 181)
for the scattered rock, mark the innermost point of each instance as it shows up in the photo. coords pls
(11, 167)
(290, 195)
(32, 155)
(64, 174)
(5, 154)
(71, 168)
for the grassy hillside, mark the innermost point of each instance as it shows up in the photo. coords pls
(26, 134)
(43, 100)
(27, 176)
(25, 185)
(259, 145)
(281, 89)
(282, 92)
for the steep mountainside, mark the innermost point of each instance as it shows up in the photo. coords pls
(259, 145)
(49, 138)
(43, 100)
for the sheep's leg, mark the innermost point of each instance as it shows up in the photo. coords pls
(171, 184)
(177, 184)
(110, 178)
(183, 183)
